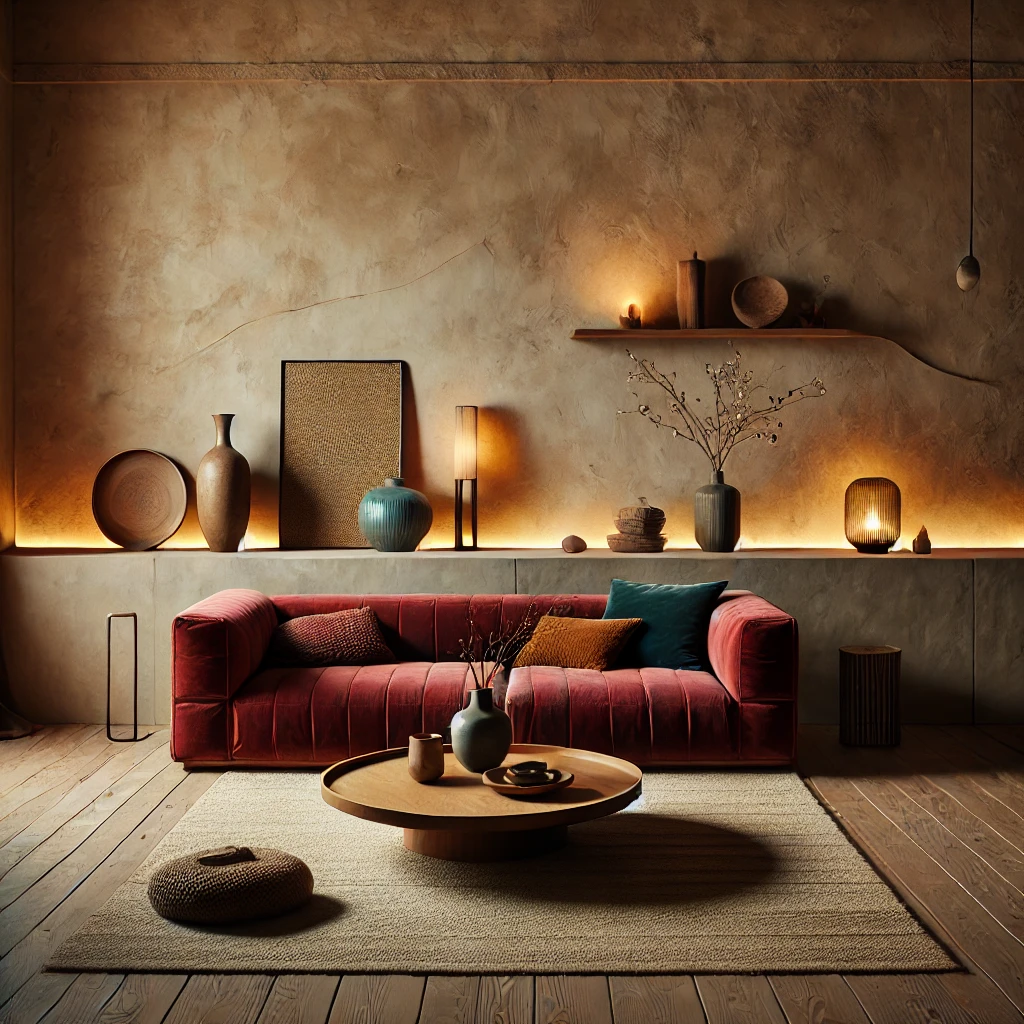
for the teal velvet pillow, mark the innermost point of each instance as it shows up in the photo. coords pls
(676, 620)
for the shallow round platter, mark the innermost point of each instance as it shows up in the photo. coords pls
(139, 499)
(457, 817)
(496, 779)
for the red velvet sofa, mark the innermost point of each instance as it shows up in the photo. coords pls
(228, 709)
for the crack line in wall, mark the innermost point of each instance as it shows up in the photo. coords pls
(312, 305)
(939, 369)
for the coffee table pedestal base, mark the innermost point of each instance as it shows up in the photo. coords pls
(467, 845)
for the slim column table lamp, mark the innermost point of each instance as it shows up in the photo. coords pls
(465, 470)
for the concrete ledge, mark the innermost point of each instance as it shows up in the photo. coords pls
(999, 640)
(955, 614)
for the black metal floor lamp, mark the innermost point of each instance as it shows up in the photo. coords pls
(135, 737)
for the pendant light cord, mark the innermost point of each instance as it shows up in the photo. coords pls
(971, 241)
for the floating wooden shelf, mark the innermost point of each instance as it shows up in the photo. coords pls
(740, 333)
(706, 333)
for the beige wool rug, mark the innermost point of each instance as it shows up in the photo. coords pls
(726, 871)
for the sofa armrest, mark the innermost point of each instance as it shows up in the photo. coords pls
(218, 643)
(215, 646)
(753, 649)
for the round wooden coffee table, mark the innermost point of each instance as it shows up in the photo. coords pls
(459, 818)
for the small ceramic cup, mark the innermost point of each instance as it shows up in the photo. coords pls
(426, 756)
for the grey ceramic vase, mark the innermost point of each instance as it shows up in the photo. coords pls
(223, 490)
(481, 733)
(716, 515)
(394, 517)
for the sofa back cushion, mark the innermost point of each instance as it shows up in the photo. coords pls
(351, 636)
(428, 627)
(675, 622)
(566, 642)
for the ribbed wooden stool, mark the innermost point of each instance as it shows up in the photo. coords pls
(869, 696)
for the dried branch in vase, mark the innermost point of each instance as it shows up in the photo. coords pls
(741, 410)
(486, 656)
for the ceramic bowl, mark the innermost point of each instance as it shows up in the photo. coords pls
(759, 301)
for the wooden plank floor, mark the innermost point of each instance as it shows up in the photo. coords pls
(942, 817)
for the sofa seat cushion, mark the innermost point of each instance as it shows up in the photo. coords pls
(645, 715)
(322, 715)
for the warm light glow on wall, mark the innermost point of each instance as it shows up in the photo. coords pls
(439, 539)
(499, 542)
(183, 540)
(811, 521)
(616, 274)
(823, 540)
(90, 541)
(189, 537)
(260, 540)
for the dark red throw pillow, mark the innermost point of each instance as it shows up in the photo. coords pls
(349, 637)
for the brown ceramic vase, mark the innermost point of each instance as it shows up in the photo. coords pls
(223, 490)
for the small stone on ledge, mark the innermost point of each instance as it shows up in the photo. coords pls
(922, 543)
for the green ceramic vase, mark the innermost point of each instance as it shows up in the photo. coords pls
(394, 517)
(481, 733)
(716, 515)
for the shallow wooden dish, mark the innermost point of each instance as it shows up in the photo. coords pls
(759, 301)
(495, 778)
(139, 499)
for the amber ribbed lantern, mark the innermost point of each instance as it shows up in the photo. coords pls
(872, 514)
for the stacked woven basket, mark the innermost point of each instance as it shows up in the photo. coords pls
(639, 529)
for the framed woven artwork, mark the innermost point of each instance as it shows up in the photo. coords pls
(341, 434)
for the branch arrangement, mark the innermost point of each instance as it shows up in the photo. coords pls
(742, 409)
(498, 650)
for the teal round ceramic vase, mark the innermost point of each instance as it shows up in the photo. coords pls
(394, 517)
(481, 733)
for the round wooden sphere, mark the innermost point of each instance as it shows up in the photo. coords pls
(573, 544)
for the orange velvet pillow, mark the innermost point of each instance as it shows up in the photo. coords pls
(576, 643)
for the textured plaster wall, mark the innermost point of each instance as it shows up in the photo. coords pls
(610, 30)
(468, 227)
(6, 318)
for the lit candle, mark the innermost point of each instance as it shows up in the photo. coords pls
(632, 316)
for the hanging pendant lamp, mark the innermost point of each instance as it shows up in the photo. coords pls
(968, 273)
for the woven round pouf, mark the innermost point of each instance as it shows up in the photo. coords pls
(234, 883)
